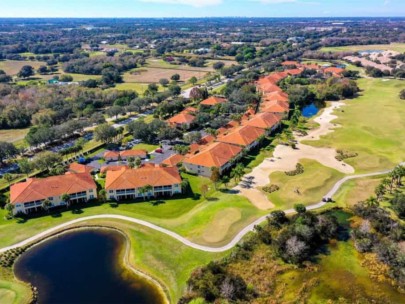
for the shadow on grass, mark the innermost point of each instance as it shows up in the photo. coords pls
(77, 211)
(114, 205)
(212, 199)
(157, 203)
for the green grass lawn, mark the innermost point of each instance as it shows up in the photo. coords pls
(312, 185)
(147, 147)
(13, 135)
(371, 126)
(398, 47)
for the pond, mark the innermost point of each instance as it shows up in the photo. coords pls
(84, 266)
(310, 110)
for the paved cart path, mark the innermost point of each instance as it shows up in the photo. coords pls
(178, 237)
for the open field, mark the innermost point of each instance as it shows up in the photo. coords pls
(12, 67)
(311, 185)
(13, 135)
(398, 47)
(153, 75)
(371, 126)
(147, 147)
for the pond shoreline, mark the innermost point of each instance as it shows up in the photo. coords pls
(160, 287)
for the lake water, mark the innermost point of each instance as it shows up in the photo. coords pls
(84, 267)
(310, 110)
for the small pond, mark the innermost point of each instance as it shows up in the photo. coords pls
(84, 266)
(310, 110)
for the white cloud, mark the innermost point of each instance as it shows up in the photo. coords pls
(195, 3)
(275, 1)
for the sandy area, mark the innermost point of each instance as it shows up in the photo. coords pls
(285, 158)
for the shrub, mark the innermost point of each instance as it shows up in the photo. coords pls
(299, 169)
(342, 155)
(271, 188)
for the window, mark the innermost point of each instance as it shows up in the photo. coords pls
(50, 198)
(111, 191)
(91, 190)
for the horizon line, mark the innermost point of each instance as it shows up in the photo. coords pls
(194, 17)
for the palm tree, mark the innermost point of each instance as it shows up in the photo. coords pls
(238, 172)
(66, 198)
(145, 190)
(46, 204)
(379, 191)
(372, 202)
(103, 195)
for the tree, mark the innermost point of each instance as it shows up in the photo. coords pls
(4, 77)
(66, 78)
(145, 190)
(192, 137)
(204, 190)
(7, 150)
(46, 204)
(215, 176)
(66, 198)
(115, 111)
(193, 80)
(237, 172)
(26, 71)
(225, 180)
(8, 178)
(43, 70)
(103, 195)
(402, 94)
(175, 77)
(198, 93)
(300, 208)
(164, 82)
(47, 160)
(25, 166)
(9, 208)
(218, 65)
(138, 162)
(175, 89)
(105, 133)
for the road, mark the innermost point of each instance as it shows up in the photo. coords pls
(178, 237)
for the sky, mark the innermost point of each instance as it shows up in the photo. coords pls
(202, 8)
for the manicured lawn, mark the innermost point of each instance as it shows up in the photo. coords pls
(12, 292)
(398, 47)
(147, 147)
(312, 185)
(140, 88)
(372, 125)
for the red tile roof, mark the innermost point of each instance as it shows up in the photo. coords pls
(214, 155)
(333, 70)
(173, 160)
(242, 136)
(111, 154)
(212, 101)
(104, 169)
(275, 107)
(146, 175)
(263, 120)
(42, 188)
(293, 72)
(181, 118)
(134, 153)
(296, 63)
(79, 168)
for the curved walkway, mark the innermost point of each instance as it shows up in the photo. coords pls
(178, 237)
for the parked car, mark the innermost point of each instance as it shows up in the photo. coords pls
(159, 150)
